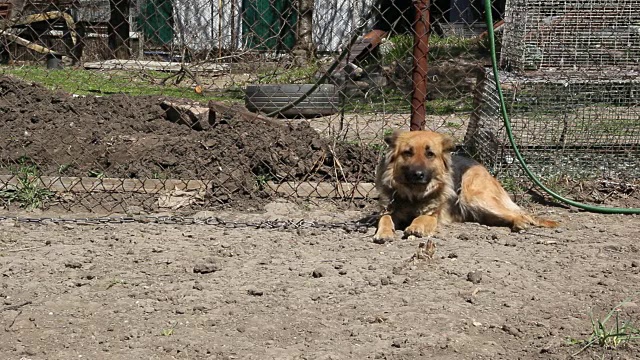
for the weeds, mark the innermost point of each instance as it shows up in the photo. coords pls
(28, 193)
(96, 174)
(610, 332)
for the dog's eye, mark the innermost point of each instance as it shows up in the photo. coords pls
(430, 154)
(407, 153)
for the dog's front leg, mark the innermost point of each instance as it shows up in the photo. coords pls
(386, 229)
(423, 225)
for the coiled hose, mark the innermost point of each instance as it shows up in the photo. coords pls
(507, 125)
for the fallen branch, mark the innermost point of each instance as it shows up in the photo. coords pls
(15, 307)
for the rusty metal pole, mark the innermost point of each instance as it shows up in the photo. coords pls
(420, 65)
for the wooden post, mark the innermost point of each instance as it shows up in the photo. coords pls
(420, 65)
(118, 29)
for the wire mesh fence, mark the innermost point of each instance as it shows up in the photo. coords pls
(184, 104)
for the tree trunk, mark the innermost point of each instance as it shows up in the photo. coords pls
(305, 27)
(118, 29)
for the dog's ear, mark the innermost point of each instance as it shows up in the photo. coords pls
(448, 143)
(391, 138)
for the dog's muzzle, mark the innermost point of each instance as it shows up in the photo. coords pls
(418, 176)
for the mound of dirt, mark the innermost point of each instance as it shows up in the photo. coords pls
(129, 137)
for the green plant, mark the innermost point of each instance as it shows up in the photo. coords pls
(28, 192)
(63, 168)
(398, 48)
(168, 331)
(261, 180)
(96, 174)
(610, 335)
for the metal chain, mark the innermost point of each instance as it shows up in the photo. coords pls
(348, 226)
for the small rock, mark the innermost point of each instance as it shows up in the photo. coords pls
(511, 330)
(510, 243)
(206, 268)
(385, 280)
(200, 308)
(635, 263)
(321, 271)
(255, 292)
(475, 277)
(372, 267)
(342, 272)
(398, 343)
(379, 241)
(464, 236)
(197, 286)
(73, 264)
(452, 255)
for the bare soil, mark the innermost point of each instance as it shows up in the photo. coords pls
(148, 291)
(129, 137)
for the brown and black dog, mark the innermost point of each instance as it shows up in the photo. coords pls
(421, 184)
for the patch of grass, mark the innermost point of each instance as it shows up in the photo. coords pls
(400, 47)
(291, 75)
(27, 192)
(91, 82)
(610, 332)
(394, 101)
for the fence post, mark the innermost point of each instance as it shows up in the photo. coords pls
(420, 65)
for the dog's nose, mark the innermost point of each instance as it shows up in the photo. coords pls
(419, 175)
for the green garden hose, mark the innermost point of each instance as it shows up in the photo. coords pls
(507, 125)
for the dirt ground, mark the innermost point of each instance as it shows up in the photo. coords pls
(150, 291)
(129, 137)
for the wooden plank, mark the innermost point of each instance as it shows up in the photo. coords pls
(323, 190)
(156, 186)
(87, 184)
(116, 64)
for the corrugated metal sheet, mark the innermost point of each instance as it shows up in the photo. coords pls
(207, 24)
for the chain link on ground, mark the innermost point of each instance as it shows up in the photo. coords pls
(287, 224)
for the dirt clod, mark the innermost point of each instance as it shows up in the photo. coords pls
(73, 264)
(475, 277)
(206, 268)
(255, 292)
(321, 271)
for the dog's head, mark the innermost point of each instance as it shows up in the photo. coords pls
(416, 158)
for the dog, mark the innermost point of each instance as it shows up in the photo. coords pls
(421, 184)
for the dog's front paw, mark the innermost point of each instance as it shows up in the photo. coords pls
(383, 235)
(422, 226)
(417, 231)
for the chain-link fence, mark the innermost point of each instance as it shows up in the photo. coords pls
(111, 104)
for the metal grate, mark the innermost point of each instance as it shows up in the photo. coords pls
(589, 34)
